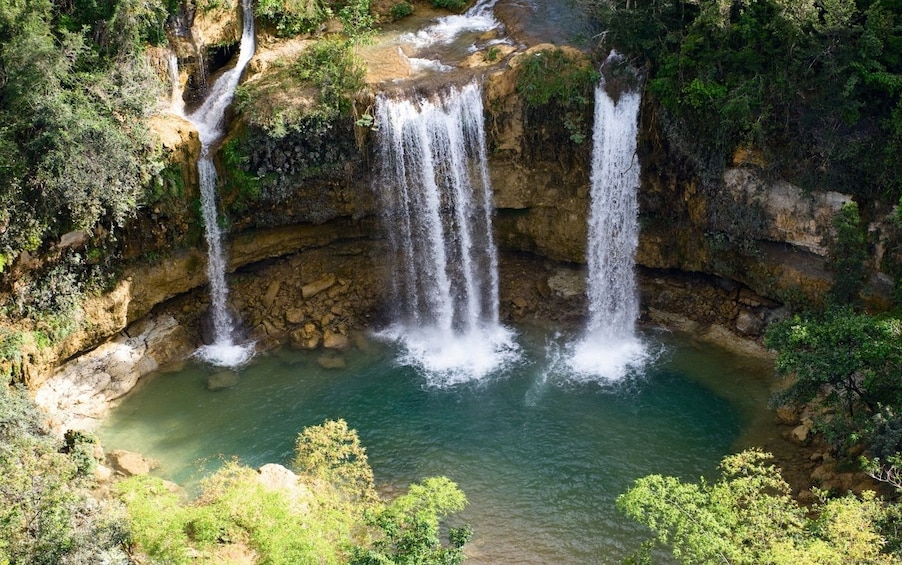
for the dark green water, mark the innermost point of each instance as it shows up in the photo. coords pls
(540, 458)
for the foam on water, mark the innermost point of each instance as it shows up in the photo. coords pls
(449, 358)
(479, 18)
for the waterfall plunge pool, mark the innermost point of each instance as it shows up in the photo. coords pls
(541, 457)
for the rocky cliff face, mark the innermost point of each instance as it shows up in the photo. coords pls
(711, 262)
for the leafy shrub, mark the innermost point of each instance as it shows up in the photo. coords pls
(453, 5)
(333, 68)
(400, 10)
(332, 452)
(330, 516)
(409, 527)
(321, 83)
(74, 147)
(48, 515)
(554, 76)
(844, 362)
(848, 252)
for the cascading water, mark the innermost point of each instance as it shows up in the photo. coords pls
(437, 207)
(609, 345)
(176, 102)
(208, 119)
(480, 17)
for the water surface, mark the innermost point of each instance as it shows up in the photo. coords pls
(541, 457)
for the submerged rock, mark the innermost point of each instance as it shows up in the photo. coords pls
(222, 380)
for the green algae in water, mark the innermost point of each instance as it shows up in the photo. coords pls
(541, 458)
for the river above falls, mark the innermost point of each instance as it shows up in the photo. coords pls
(541, 457)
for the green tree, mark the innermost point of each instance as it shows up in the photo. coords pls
(409, 528)
(74, 92)
(848, 252)
(748, 516)
(840, 359)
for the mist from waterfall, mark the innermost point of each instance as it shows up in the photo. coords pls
(436, 196)
(209, 119)
(609, 345)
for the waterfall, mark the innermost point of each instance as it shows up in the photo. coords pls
(609, 345)
(436, 195)
(208, 119)
(176, 102)
(480, 17)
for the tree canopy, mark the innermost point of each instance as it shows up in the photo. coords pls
(75, 87)
(817, 85)
(748, 516)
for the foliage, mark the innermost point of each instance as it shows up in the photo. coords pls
(332, 67)
(410, 527)
(841, 359)
(305, 94)
(453, 5)
(244, 183)
(554, 76)
(816, 85)
(75, 88)
(156, 519)
(331, 452)
(848, 252)
(400, 11)
(294, 17)
(748, 516)
(47, 514)
(329, 515)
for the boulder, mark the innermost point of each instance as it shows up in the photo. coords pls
(294, 315)
(334, 340)
(277, 478)
(312, 289)
(129, 463)
(800, 434)
(271, 292)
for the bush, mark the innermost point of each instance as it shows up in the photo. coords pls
(306, 94)
(293, 17)
(332, 67)
(846, 363)
(48, 514)
(453, 5)
(554, 77)
(400, 11)
(848, 252)
(74, 148)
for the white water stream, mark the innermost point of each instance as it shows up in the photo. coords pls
(437, 206)
(208, 119)
(176, 100)
(479, 18)
(609, 345)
